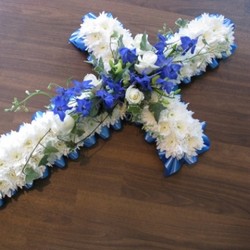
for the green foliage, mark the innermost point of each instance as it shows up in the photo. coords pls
(135, 111)
(144, 45)
(181, 23)
(165, 31)
(48, 150)
(30, 174)
(156, 109)
(21, 105)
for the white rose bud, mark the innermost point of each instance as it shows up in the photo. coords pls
(133, 95)
(62, 127)
(94, 81)
(146, 63)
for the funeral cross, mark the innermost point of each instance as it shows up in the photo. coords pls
(134, 80)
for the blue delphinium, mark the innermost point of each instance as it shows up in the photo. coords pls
(107, 98)
(128, 55)
(161, 44)
(60, 106)
(165, 85)
(144, 81)
(83, 107)
(81, 86)
(188, 44)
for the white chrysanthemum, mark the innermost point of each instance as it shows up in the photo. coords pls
(215, 37)
(177, 133)
(101, 35)
(118, 113)
(28, 145)
(148, 120)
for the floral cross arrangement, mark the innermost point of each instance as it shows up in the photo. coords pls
(135, 81)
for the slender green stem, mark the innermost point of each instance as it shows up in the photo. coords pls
(33, 150)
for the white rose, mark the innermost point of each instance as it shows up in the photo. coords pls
(62, 127)
(94, 81)
(146, 63)
(133, 95)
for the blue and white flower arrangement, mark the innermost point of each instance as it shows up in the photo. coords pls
(135, 81)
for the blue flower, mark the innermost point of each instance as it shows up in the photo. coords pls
(60, 106)
(128, 55)
(116, 87)
(106, 97)
(81, 86)
(83, 106)
(144, 81)
(170, 71)
(162, 60)
(188, 44)
(161, 44)
(165, 85)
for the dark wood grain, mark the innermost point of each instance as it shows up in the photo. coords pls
(115, 196)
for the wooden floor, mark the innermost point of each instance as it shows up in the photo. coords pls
(115, 195)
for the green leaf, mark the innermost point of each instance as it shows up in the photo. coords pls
(135, 111)
(43, 161)
(31, 174)
(71, 144)
(181, 23)
(144, 45)
(156, 109)
(50, 150)
(120, 42)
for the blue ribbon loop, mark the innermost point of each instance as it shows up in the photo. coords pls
(191, 160)
(148, 138)
(214, 64)
(28, 185)
(77, 40)
(60, 163)
(117, 125)
(45, 173)
(75, 37)
(74, 155)
(186, 80)
(171, 166)
(105, 133)
(1, 202)
(36, 115)
(90, 141)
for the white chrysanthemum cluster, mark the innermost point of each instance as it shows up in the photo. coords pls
(25, 148)
(215, 36)
(101, 34)
(177, 133)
